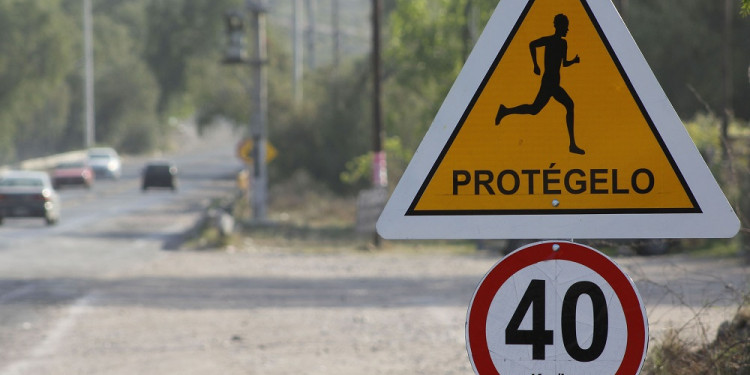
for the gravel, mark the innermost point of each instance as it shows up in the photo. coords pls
(261, 310)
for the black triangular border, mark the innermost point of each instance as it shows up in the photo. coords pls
(695, 209)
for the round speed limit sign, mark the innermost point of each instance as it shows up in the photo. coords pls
(556, 308)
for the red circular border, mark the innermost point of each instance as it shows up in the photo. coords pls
(476, 325)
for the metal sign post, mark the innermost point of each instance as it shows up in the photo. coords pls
(258, 126)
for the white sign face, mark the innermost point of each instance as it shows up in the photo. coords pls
(557, 128)
(556, 308)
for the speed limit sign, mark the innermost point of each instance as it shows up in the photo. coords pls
(556, 308)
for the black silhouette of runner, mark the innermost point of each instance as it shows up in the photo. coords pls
(555, 56)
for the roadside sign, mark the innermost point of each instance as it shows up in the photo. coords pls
(556, 308)
(245, 151)
(556, 127)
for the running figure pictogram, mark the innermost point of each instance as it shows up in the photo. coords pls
(555, 56)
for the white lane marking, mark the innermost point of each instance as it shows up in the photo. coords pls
(54, 337)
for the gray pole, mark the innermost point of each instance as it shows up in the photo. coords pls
(88, 47)
(335, 15)
(623, 8)
(377, 70)
(297, 51)
(259, 121)
(379, 177)
(728, 95)
(312, 30)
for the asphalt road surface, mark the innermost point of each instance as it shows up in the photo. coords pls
(47, 271)
(106, 292)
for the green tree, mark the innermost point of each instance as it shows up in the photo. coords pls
(427, 43)
(691, 71)
(35, 57)
(179, 31)
(126, 92)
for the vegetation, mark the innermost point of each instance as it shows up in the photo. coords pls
(158, 60)
(728, 353)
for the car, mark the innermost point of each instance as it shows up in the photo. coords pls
(159, 174)
(105, 162)
(72, 173)
(28, 194)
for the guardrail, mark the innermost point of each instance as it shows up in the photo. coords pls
(47, 162)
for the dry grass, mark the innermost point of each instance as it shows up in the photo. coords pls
(728, 354)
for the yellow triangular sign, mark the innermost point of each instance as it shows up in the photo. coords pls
(556, 127)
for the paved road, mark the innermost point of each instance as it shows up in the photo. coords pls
(104, 292)
(103, 231)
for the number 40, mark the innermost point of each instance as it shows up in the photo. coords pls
(538, 337)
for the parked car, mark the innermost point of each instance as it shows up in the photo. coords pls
(72, 173)
(105, 162)
(28, 194)
(159, 174)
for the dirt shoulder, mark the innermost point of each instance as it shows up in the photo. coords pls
(255, 309)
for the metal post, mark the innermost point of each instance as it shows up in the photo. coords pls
(379, 169)
(297, 52)
(259, 121)
(312, 30)
(335, 20)
(88, 47)
(379, 176)
(622, 7)
(728, 84)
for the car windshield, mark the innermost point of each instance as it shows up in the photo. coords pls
(71, 165)
(23, 181)
(158, 169)
(100, 156)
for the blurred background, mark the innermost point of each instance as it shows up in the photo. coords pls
(154, 65)
(180, 90)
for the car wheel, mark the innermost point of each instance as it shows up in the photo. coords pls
(51, 220)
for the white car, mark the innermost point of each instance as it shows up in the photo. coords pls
(105, 162)
(28, 194)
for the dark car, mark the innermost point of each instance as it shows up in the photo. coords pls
(72, 173)
(28, 194)
(159, 174)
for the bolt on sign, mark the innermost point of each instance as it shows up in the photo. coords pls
(557, 127)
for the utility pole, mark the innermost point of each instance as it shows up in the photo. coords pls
(88, 57)
(471, 29)
(728, 96)
(258, 125)
(335, 20)
(623, 7)
(297, 52)
(379, 172)
(312, 30)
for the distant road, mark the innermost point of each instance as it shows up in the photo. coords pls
(112, 227)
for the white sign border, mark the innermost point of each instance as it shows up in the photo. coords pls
(717, 220)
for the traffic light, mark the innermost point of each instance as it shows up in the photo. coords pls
(236, 51)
